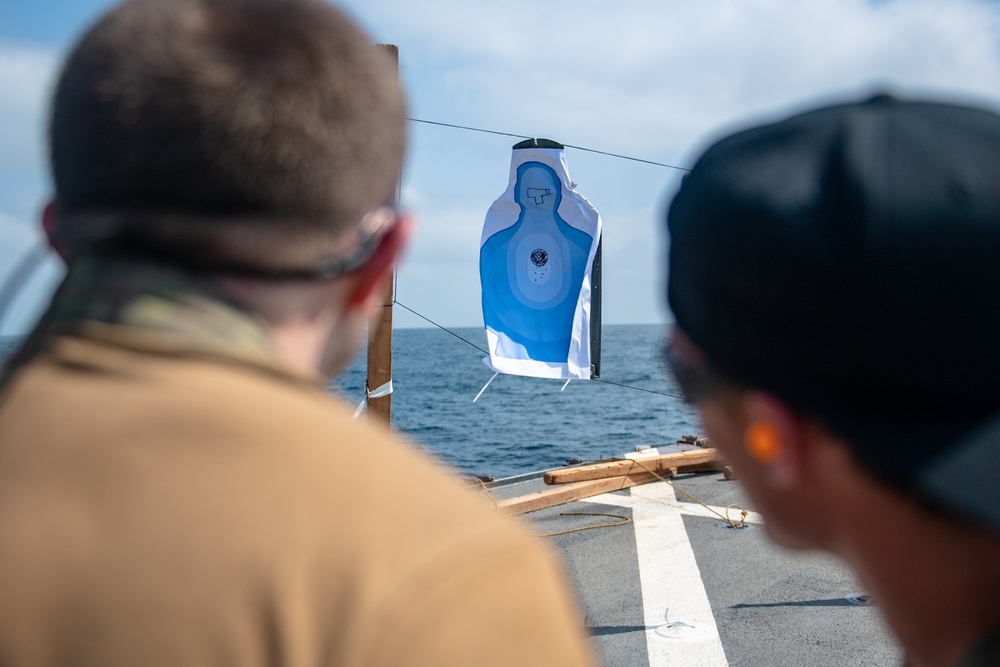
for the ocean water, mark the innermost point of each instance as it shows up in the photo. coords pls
(522, 424)
(525, 424)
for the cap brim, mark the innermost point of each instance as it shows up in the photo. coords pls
(965, 478)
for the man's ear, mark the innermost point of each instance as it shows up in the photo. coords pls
(776, 437)
(368, 288)
(50, 224)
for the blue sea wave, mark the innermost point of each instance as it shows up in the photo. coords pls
(524, 424)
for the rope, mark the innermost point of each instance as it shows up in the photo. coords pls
(626, 157)
(488, 383)
(624, 520)
(427, 319)
(743, 516)
(724, 517)
(378, 392)
(521, 136)
(628, 386)
(484, 490)
(471, 344)
(465, 127)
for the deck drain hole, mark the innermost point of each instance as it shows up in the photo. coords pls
(862, 599)
(745, 526)
(681, 631)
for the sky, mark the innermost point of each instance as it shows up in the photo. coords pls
(656, 80)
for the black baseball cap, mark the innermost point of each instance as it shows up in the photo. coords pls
(847, 260)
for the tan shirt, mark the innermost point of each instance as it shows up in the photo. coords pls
(162, 505)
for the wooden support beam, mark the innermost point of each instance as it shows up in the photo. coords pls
(692, 460)
(566, 493)
(380, 330)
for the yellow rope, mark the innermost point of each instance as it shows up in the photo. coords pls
(485, 490)
(624, 520)
(724, 517)
(743, 515)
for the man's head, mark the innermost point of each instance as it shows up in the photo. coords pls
(240, 133)
(842, 267)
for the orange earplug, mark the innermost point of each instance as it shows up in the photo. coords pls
(762, 441)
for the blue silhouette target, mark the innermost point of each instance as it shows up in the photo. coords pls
(538, 245)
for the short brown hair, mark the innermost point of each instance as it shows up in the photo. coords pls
(258, 130)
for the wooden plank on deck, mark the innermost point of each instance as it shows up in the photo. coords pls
(692, 460)
(566, 493)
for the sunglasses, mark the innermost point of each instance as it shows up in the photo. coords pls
(374, 227)
(696, 383)
(371, 231)
(106, 232)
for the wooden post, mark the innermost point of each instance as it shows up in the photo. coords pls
(380, 332)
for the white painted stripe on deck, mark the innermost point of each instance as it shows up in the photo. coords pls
(641, 495)
(672, 589)
(714, 512)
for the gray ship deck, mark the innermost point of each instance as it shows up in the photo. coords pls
(677, 586)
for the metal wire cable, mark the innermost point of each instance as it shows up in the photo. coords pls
(427, 319)
(464, 127)
(626, 157)
(470, 343)
(521, 136)
(628, 386)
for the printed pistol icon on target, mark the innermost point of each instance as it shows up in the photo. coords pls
(539, 263)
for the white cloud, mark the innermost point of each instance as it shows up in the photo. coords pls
(657, 75)
(655, 79)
